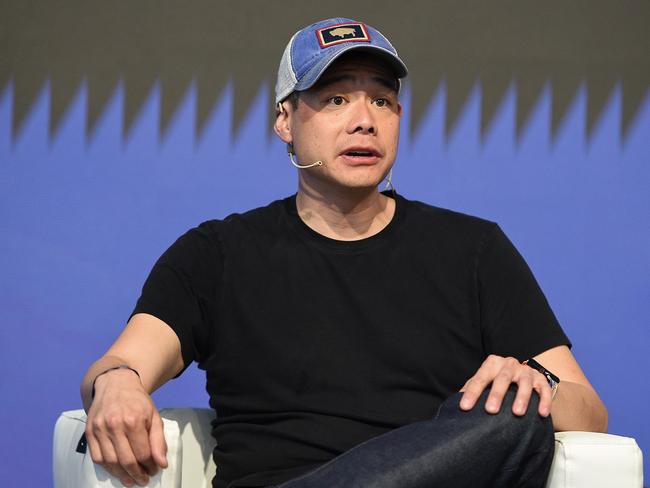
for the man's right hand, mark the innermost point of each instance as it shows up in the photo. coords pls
(124, 429)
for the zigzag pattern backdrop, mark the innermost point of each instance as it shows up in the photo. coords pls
(92, 192)
(598, 42)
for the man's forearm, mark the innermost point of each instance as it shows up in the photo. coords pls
(577, 407)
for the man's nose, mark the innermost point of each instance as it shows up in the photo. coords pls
(362, 119)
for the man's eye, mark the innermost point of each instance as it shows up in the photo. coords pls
(336, 100)
(381, 102)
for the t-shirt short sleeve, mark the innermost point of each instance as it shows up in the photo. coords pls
(183, 287)
(516, 318)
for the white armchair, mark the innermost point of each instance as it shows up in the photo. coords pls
(582, 459)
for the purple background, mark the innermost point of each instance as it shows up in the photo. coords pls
(82, 220)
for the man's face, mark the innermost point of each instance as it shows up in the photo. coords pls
(350, 121)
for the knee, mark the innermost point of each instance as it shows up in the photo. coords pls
(531, 424)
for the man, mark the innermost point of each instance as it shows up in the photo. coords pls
(336, 326)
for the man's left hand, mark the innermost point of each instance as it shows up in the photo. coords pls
(501, 372)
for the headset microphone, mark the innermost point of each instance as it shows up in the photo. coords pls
(300, 166)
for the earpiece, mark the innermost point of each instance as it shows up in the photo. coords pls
(293, 161)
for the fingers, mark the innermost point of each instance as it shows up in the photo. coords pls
(508, 374)
(121, 443)
(545, 396)
(471, 391)
(524, 392)
(127, 461)
(102, 452)
(157, 442)
(138, 442)
(500, 373)
(93, 445)
(480, 381)
(529, 381)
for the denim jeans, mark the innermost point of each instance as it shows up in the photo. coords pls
(454, 449)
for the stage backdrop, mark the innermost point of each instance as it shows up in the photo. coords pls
(123, 123)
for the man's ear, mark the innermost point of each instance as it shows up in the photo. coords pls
(282, 125)
(399, 109)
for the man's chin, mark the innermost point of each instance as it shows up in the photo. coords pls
(356, 186)
(357, 179)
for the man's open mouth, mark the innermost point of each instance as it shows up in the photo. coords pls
(361, 153)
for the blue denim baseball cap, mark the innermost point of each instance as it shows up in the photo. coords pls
(313, 49)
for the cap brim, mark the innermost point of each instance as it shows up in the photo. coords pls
(313, 75)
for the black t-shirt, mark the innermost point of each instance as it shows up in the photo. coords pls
(313, 345)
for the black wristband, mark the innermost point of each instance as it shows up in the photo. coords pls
(121, 366)
(553, 380)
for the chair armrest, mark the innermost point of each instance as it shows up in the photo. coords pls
(74, 469)
(194, 425)
(592, 460)
(582, 459)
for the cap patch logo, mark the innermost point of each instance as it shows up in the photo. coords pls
(336, 34)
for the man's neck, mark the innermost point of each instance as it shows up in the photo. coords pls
(347, 215)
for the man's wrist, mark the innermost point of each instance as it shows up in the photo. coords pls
(108, 370)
